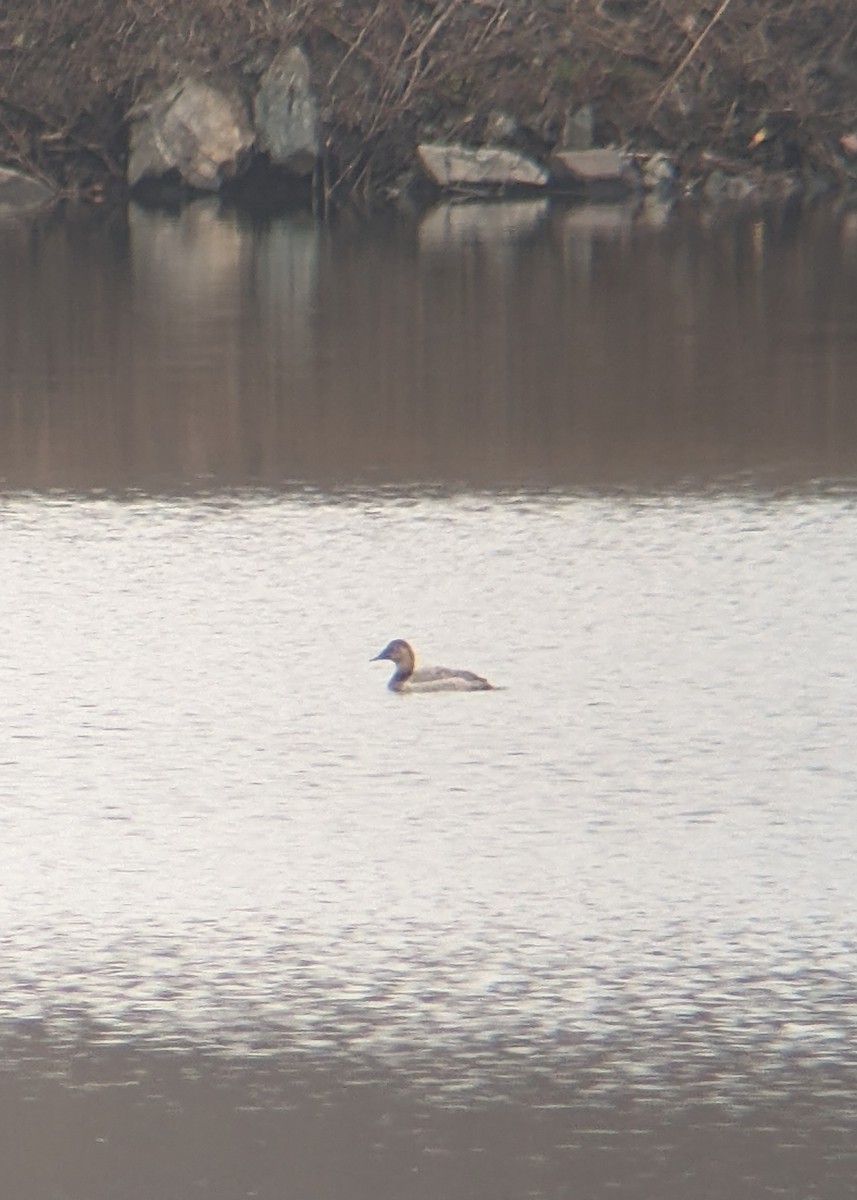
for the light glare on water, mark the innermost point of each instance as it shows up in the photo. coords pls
(227, 771)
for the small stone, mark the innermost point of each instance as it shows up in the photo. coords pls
(500, 127)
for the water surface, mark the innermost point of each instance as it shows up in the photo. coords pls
(270, 930)
(485, 347)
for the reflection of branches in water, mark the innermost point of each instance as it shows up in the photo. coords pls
(391, 71)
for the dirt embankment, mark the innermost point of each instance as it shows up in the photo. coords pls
(767, 81)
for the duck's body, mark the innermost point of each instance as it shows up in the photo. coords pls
(406, 677)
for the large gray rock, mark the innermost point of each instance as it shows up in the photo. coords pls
(601, 171)
(488, 168)
(191, 128)
(285, 112)
(20, 192)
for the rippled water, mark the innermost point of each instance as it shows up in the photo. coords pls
(270, 930)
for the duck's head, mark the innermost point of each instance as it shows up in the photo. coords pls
(399, 652)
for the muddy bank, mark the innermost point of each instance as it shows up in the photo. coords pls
(766, 93)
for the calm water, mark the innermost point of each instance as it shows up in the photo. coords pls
(270, 931)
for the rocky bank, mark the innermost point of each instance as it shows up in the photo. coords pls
(328, 102)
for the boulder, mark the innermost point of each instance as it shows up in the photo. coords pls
(594, 171)
(193, 129)
(285, 113)
(20, 192)
(488, 168)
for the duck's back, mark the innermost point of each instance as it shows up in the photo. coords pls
(445, 679)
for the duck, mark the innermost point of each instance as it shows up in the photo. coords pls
(406, 678)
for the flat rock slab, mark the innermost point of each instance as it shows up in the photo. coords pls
(486, 168)
(20, 192)
(594, 170)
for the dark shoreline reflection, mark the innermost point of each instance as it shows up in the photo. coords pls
(554, 348)
(143, 1121)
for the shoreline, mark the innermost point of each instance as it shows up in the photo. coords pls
(335, 104)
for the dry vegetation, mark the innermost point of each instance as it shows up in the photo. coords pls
(667, 74)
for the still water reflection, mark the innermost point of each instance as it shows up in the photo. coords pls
(484, 346)
(268, 930)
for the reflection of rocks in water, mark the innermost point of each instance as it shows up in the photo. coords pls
(208, 283)
(187, 260)
(580, 229)
(599, 220)
(191, 276)
(493, 343)
(173, 369)
(224, 304)
(450, 225)
(285, 279)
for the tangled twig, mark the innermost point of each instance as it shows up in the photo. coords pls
(691, 54)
